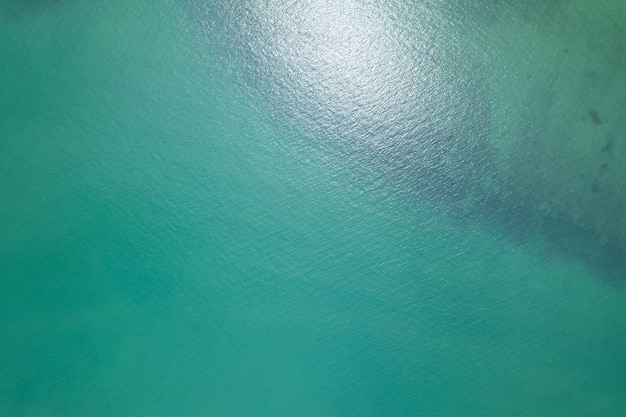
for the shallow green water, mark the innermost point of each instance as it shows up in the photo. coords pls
(275, 208)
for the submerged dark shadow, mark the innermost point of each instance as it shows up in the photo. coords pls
(521, 223)
(604, 256)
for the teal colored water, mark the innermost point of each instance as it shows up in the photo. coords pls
(319, 208)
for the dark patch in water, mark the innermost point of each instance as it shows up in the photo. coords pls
(605, 256)
(608, 147)
(595, 186)
(595, 117)
(516, 223)
(520, 222)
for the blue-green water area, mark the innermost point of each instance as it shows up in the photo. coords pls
(312, 208)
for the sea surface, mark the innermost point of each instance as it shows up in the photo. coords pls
(274, 208)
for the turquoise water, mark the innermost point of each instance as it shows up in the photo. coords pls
(273, 208)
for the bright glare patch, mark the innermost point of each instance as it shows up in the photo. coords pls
(348, 60)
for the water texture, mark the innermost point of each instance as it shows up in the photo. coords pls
(273, 208)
